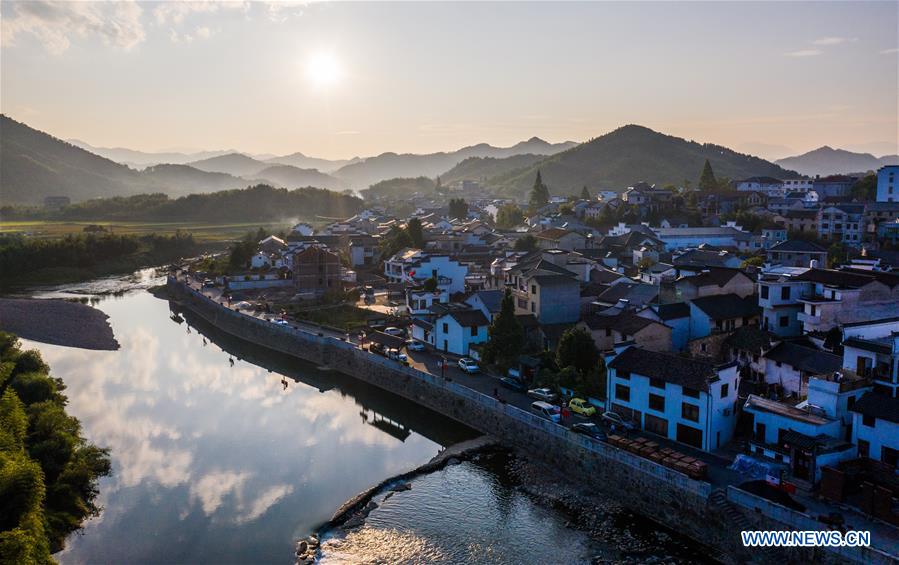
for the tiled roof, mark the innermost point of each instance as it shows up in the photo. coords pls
(806, 359)
(875, 346)
(492, 299)
(469, 318)
(674, 311)
(840, 279)
(798, 246)
(728, 306)
(715, 276)
(690, 373)
(749, 338)
(624, 322)
(637, 294)
(878, 405)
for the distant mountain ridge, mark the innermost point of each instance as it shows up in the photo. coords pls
(408, 165)
(829, 161)
(629, 154)
(140, 159)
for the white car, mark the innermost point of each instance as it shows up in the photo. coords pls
(544, 394)
(415, 346)
(393, 331)
(468, 365)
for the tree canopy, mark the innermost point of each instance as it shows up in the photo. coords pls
(509, 216)
(416, 235)
(707, 181)
(577, 349)
(539, 193)
(585, 194)
(506, 335)
(48, 470)
(526, 243)
(458, 208)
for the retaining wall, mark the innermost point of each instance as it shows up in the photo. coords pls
(667, 496)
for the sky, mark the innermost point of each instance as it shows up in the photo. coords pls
(338, 80)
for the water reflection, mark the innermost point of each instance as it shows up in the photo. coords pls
(221, 463)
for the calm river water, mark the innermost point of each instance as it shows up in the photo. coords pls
(214, 463)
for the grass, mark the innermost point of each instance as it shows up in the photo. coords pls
(202, 232)
(345, 316)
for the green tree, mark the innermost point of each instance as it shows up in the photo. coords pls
(585, 194)
(865, 189)
(707, 181)
(49, 475)
(505, 336)
(566, 209)
(509, 216)
(416, 235)
(539, 193)
(458, 208)
(526, 243)
(430, 284)
(577, 349)
(393, 241)
(755, 261)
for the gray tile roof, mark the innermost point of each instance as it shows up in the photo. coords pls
(693, 374)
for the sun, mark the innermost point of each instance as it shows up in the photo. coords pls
(323, 69)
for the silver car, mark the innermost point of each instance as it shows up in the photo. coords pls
(544, 394)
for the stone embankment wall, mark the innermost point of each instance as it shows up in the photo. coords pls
(668, 497)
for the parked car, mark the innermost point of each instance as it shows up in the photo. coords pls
(414, 345)
(582, 407)
(513, 384)
(394, 331)
(375, 347)
(546, 410)
(468, 365)
(589, 429)
(617, 420)
(396, 354)
(514, 373)
(544, 394)
(208, 283)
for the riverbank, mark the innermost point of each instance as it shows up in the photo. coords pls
(57, 322)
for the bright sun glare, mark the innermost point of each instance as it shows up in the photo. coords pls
(323, 69)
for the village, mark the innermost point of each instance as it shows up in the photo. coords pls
(752, 333)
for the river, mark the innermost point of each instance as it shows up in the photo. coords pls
(214, 463)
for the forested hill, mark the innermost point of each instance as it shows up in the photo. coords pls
(256, 203)
(630, 154)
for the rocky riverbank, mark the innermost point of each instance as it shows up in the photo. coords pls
(57, 322)
(632, 538)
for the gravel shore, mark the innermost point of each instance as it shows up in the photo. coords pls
(57, 322)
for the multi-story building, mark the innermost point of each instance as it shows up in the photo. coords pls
(684, 238)
(316, 271)
(710, 282)
(836, 297)
(871, 349)
(364, 250)
(682, 399)
(888, 183)
(550, 292)
(779, 293)
(722, 313)
(833, 185)
(768, 185)
(414, 266)
(875, 428)
(842, 223)
(797, 253)
(610, 330)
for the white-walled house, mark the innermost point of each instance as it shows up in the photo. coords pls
(789, 365)
(453, 328)
(261, 259)
(416, 266)
(685, 400)
(875, 427)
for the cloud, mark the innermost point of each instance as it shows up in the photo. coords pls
(175, 12)
(203, 32)
(804, 53)
(889, 51)
(56, 24)
(212, 488)
(264, 501)
(834, 40)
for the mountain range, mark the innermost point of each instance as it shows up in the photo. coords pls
(829, 161)
(629, 154)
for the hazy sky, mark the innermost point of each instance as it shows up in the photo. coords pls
(338, 80)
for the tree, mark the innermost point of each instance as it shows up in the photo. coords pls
(526, 243)
(395, 239)
(430, 284)
(416, 236)
(539, 194)
(458, 208)
(755, 261)
(566, 209)
(585, 194)
(707, 181)
(865, 189)
(577, 349)
(505, 335)
(509, 216)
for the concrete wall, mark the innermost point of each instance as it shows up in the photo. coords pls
(667, 496)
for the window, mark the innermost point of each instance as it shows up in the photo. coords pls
(724, 390)
(533, 306)
(445, 328)
(689, 412)
(533, 289)
(864, 448)
(785, 293)
(889, 456)
(784, 321)
(765, 288)
(657, 383)
(623, 392)
(657, 402)
(689, 392)
(867, 420)
(474, 331)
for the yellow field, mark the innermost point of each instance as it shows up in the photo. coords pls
(201, 231)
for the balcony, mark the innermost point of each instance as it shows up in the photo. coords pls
(814, 298)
